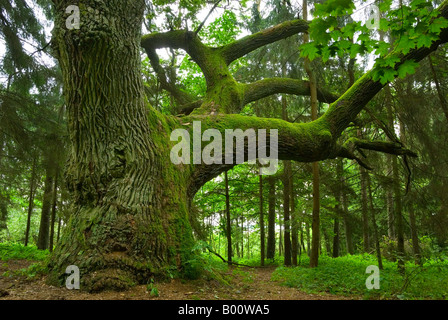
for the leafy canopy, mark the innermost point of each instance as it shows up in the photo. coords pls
(333, 33)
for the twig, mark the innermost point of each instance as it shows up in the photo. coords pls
(208, 15)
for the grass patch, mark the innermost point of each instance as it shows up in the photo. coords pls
(347, 276)
(17, 251)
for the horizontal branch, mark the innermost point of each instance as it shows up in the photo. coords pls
(302, 142)
(266, 87)
(243, 46)
(381, 146)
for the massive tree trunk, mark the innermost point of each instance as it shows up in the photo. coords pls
(129, 217)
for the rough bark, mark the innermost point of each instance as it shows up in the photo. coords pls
(129, 218)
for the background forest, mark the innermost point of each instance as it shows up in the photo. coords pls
(394, 215)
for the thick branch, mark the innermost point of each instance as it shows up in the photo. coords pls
(240, 48)
(181, 39)
(303, 142)
(266, 87)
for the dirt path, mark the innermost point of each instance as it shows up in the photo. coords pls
(244, 284)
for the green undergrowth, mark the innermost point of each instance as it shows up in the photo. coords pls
(17, 251)
(256, 260)
(347, 276)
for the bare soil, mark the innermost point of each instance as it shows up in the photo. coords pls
(243, 284)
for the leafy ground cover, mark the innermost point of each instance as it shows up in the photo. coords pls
(347, 276)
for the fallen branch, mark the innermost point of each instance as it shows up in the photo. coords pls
(228, 262)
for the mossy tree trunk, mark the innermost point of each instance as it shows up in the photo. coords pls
(129, 218)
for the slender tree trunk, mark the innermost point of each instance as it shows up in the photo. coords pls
(336, 237)
(262, 237)
(364, 209)
(59, 229)
(271, 219)
(316, 217)
(286, 190)
(390, 209)
(286, 208)
(374, 225)
(228, 221)
(237, 238)
(3, 198)
(316, 194)
(413, 225)
(280, 236)
(308, 239)
(398, 216)
(294, 224)
(343, 202)
(53, 211)
(32, 191)
(398, 209)
(44, 227)
(242, 236)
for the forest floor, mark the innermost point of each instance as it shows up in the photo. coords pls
(243, 284)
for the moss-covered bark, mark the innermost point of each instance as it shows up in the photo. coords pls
(129, 218)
